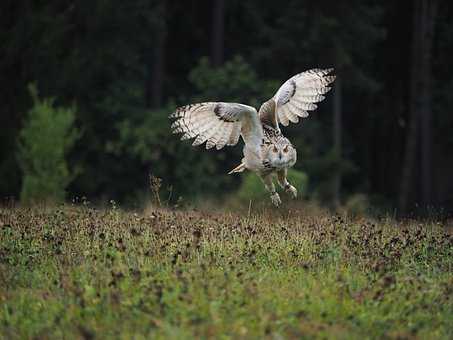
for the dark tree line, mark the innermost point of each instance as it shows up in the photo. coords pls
(384, 131)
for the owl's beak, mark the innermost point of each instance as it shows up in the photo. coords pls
(280, 155)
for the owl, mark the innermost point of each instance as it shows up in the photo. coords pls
(267, 152)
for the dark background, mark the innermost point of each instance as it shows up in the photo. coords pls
(385, 131)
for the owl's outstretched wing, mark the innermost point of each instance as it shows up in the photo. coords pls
(296, 97)
(218, 124)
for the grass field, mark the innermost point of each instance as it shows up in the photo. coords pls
(77, 272)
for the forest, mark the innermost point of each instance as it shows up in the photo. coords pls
(104, 76)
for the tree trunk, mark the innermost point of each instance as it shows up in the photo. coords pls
(429, 9)
(420, 104)
(337, 115)
(156, 55)
(218, 32)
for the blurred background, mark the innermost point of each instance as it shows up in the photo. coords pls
(87, 86)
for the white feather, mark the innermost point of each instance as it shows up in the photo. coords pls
(298, 105)
(227, 129)
(235, 134)
(282, 117)
(289, 111)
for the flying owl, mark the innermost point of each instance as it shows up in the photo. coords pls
(266, 151)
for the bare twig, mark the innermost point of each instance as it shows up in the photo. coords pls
(155, 184)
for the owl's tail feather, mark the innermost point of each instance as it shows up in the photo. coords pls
(239, 168)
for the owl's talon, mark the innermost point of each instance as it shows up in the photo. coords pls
(292, 191)
(275, 198)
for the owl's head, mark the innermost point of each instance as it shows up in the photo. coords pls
(281, 155)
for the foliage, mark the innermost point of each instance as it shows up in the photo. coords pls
(45, 139)
(357, 205)
(320, 170)
(235, 81)
(84, 273)
(92, 54)
(252, 187)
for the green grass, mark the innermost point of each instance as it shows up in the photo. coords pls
(85, 273)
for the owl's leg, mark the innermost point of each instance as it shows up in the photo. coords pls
(269, 184)
(281, 177)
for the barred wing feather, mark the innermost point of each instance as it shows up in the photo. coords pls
(217, 123)
(297, 96)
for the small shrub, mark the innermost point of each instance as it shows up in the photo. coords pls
(357, 205)
(46, 137)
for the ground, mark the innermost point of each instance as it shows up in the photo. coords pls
(79, 272)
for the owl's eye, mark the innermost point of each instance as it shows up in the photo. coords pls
(286, 149)
(275, 149)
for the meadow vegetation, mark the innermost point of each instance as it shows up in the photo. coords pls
(80, 272)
